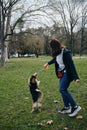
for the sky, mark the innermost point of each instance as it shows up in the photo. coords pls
(32, 21)
(38, 20)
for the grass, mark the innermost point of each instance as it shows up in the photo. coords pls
(15, 98)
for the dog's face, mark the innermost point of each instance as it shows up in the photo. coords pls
(33, 79)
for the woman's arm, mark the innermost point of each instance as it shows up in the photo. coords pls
(49, 63)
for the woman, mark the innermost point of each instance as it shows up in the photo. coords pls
(66, 71)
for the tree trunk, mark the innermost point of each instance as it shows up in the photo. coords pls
(8, 32)
(2, 18)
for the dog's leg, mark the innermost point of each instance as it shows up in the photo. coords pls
(39, 106)
(40, 97)
(34, 106)
(40, 102)
(32, 110)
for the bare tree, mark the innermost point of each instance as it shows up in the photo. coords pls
(6, 8)
(2, 21)
(83, 46)
(69, 14)
(22, 14)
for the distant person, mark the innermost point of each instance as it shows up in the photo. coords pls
(66, 72)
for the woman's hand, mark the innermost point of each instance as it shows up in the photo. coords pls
(46, 66)
(77, 80)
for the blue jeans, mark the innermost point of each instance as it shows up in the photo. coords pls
(66, 96)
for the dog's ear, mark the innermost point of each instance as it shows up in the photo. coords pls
(35, 74)
(31, 79)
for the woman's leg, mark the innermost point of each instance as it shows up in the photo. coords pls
(67, 97)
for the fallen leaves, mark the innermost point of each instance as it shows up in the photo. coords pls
(56, 101)
(44, 123)
(79, 117)
(40, 124)
(50, 122)
(65, 128)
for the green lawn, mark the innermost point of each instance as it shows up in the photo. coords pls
(15, 98)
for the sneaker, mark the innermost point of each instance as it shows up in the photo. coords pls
(74, 111)
(65, 111)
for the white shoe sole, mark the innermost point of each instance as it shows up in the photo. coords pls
(75, 112)
(65, 112)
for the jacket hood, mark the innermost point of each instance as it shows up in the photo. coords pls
(67, 51)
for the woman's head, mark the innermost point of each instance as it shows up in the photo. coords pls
(56, 47)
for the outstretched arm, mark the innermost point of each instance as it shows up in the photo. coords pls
(49, 63)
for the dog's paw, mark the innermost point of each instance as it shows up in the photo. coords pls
(32, 111)
(38, 82)
(39, 109)
(35, 74)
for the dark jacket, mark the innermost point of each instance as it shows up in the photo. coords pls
(69, 65)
